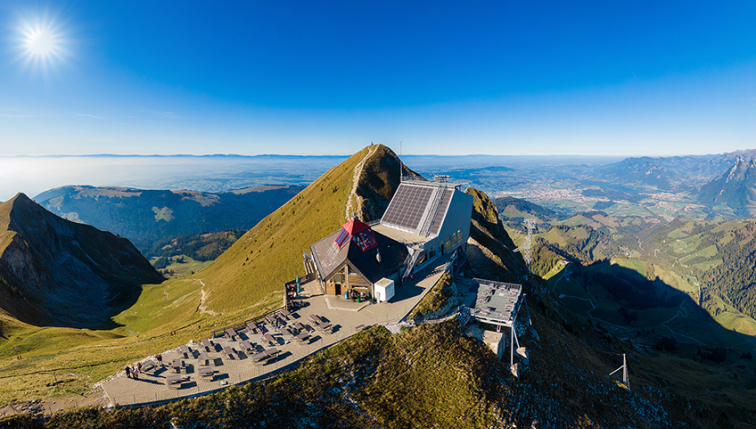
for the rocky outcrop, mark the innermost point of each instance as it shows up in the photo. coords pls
(736, 188)
(60, 273)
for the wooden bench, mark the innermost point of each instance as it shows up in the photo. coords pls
(203, 359)
(206, 372)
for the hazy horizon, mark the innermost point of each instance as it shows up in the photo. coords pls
(35, 174)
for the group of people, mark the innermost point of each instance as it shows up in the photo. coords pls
(133, 372)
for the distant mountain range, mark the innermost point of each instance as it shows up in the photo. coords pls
(736, 188)
(149, 216)
(61, 273)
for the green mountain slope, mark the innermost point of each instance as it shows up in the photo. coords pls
(61, 273)
(271, 253)
(436, 376)
(515, 208)
(148, 216)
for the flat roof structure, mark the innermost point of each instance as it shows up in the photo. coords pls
(496, 303)
(419, 207)
(407, 238)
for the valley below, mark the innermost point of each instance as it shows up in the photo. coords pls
(627, 259)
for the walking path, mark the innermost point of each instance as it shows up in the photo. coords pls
(346, 317)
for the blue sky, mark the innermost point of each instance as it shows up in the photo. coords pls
(304, 77)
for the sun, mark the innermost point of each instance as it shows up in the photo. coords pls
(42, 45)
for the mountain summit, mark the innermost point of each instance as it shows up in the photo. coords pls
(736, 188)
(60, 273)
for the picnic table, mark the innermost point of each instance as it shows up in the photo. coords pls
(178, 365)
(150, 364)
(303, 338)
(184, 349)
(203, 358)
(174, 381)
(288, 331)
(229, 351)
(272, 352)
(206, 372)
(324, 327)
(270, 319)
(252, 327)
(269, 338)
(285, 313)
(315, 318)
(230, 333)
(208, 344)
(298, 326)
(260, 357)
(247, 345)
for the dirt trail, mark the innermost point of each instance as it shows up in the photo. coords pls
(353, 200)
(202, 308)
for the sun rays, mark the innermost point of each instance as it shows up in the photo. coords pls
(42, 45)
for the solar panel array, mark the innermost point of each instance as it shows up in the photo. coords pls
(443, 206)
(408, 206)
(342, 239)
(365, 240)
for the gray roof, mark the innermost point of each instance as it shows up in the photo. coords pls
(496, 302)
(329, 258)
(419, 207)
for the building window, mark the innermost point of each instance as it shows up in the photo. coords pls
(457, 237)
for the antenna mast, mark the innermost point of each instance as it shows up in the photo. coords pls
(624, 372)
(526, 248)
(401, 165)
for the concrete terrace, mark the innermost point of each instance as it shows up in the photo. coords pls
(346, 317)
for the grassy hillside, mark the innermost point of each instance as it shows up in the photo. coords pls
(246, 280)
(271, 253)
(427, 377)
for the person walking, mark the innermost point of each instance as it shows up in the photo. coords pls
(136, 373)
(128, 371)
(160, 360)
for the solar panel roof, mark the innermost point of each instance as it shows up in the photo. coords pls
(443, 206)
(342, 239)
(408, 206)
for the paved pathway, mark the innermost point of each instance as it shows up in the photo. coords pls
(346, 317)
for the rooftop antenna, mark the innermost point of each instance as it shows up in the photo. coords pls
(401, 166)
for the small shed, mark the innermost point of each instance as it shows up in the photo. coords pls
(384, 290)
